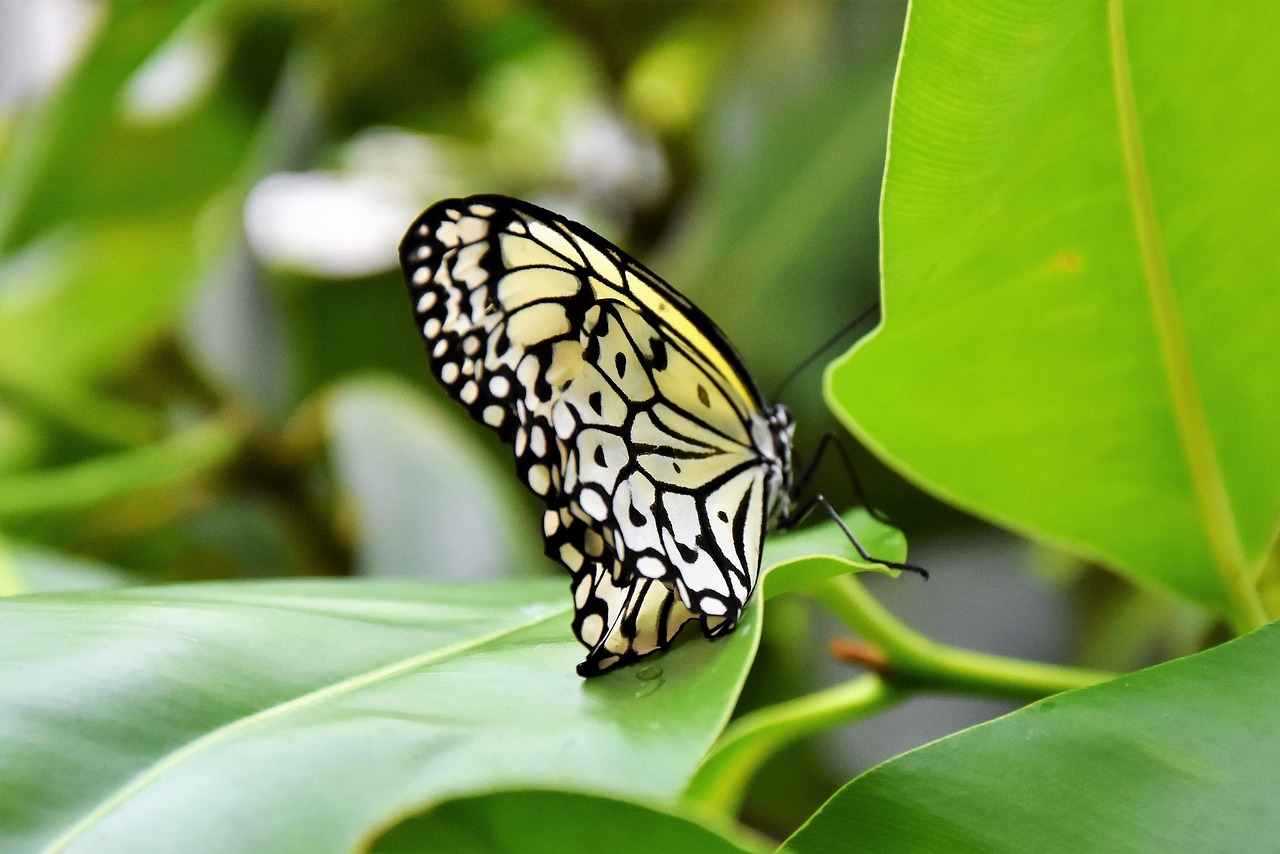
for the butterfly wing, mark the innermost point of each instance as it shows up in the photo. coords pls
(618, 623)
(630, 415)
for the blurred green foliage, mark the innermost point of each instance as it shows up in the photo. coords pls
(715, 140)
(186, 394)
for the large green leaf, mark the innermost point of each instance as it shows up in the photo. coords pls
(300, 716)
(1081, 311)
(1179, 757)
(563, 822)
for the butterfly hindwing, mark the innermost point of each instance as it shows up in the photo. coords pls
(630, 416)
(618, 623)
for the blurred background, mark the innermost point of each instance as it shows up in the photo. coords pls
(208, 368)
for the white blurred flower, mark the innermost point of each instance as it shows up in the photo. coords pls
(327, 224)
(40, 42)
(425, 166)
(607, 158)
(348, 222)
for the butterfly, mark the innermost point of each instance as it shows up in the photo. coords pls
(630, 414)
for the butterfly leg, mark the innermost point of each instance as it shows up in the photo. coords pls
(806, 477)
(799, 515)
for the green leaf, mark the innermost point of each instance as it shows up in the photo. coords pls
(299, 716)
(83, 103)
(1179, 757)
(1079, 283)
(101, 293)
(85, 485)
(564, 822)
(428, 497)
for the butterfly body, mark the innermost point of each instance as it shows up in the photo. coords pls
(629, 413)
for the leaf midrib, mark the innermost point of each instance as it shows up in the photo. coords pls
(1208, 481)
(312, 698)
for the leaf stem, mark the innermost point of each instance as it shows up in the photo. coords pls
(901, 660)
(914, 661)
(721, 781)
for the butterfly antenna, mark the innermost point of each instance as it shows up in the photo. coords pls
(826, 345)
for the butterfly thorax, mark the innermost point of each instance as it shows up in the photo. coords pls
(775, 450)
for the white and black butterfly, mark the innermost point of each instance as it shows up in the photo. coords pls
(630, 414)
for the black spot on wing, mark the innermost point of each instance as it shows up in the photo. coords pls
(660, 357)
(687, 553)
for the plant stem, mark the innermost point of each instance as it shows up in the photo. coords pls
(914, 661)
(902, 661)
(721, 782)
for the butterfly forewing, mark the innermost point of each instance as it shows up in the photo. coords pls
(630, 416)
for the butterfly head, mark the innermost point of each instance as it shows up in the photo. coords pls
(777, 457)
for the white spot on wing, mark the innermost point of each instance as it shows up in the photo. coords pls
(570, 557)
(537, 323)
(650, 567)
(592, 629)
(594, 505)
(538, 440)
(468, 259)
(539, 479)
(521, 287)
(563, 422)
(472, 229)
